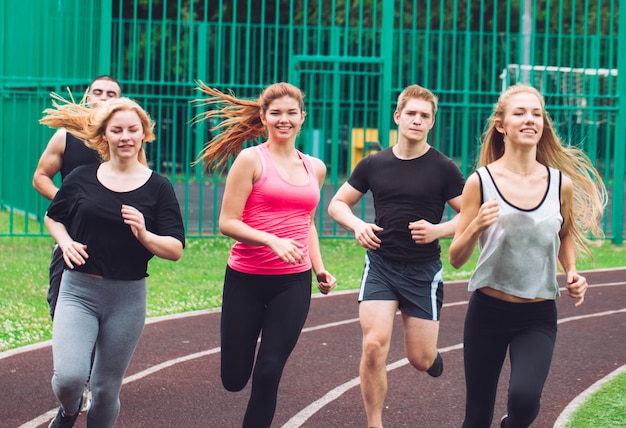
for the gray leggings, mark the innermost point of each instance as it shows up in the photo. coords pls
(102, 313)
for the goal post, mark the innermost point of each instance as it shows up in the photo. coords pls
(575, 89)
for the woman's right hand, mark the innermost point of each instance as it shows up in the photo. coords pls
(74, 253)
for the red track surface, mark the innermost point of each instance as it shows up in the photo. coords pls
(320, 383)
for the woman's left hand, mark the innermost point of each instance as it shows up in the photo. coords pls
(325, 281)
(576, 286)
(134, 218)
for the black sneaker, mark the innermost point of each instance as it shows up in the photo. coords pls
(63, 421)
(437, 368)
(503, 421)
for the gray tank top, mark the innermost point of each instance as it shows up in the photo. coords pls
(518, 253)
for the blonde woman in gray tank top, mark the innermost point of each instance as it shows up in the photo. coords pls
(529, 206)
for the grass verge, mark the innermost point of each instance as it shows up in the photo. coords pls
(605, 408)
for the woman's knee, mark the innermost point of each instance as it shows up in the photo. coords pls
(523, 405)
(68, 387)
(107, 397)
(234, 380)
(269, 369)
(231, 384)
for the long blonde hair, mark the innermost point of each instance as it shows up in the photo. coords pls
(241, 120)
(89, 124)
(590, 197)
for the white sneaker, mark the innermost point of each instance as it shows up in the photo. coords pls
(86, 403)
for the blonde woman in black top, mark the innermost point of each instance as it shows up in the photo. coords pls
(109, 220)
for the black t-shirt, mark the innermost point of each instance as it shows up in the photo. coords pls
(92, 215)
(405, 191)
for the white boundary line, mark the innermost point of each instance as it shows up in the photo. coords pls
(566, 414)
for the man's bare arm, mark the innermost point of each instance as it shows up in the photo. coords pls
(49, 165)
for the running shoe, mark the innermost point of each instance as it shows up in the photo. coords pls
(84, 406)
(61, 420)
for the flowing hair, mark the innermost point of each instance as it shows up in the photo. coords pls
(240, 120)
(89, 124)
(589, 198)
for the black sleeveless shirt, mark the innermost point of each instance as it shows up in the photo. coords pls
(77, 154)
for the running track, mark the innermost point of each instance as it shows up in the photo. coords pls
(173, 379)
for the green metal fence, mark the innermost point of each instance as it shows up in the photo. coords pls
(350, 58)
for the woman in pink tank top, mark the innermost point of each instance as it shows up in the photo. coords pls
(271, 194)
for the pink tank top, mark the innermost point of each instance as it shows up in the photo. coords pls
(281, 208)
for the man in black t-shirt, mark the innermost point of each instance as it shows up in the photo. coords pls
(411, 182)
(63, 153)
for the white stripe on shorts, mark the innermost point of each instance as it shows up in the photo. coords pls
(366, 270)
(433, 292)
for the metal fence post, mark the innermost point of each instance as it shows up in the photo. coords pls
(619, 157)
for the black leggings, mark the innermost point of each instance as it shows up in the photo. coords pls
(278, 306)
(492, 326)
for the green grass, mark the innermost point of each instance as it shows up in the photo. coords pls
(605, 408)
(195, 282)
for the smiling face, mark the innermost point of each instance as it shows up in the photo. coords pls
(125, 134)
(283, 119)
(415, 120)
(522, 121)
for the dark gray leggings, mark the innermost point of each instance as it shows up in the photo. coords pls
(275, 306)
(109, 315)
(528, 330)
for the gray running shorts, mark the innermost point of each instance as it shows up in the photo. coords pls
(418, 288)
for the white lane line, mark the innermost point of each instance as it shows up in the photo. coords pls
(594, 315)
(40, 420)
(170, 363)
(46, 417)
(303, 415)
(153, 320)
